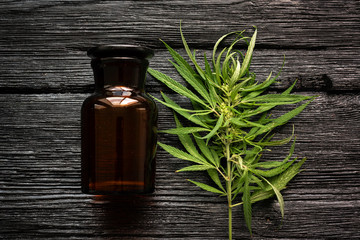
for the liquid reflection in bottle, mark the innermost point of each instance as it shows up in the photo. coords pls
(119, 124)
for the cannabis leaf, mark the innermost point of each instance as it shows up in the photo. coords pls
(231, 124)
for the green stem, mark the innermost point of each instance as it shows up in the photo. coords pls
(228, 188)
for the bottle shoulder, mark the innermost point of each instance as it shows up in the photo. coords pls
(120, 99)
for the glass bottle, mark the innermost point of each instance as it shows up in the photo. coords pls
(118, 123)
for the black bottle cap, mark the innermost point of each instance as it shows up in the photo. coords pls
(110, 51)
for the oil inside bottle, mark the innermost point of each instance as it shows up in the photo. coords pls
(118, 131)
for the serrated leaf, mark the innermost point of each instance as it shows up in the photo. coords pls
(191, 79)
(274, 171)
(238, 185)
(225, 65)
(182, 111)
(191, 56)
(184, 130)
(282, 119)
(268, 165)
(217, 66)
(256, 180)
(267, 107)
(236, 89)
(247, 203)
(187, 142)
(279, 197)
(204, 149)
(274, 164)
(251, 154)
(236, 74)
(216, 128)
(175, 86)
(216, 157)
(208, 70)
(230, 56)
(171, 104)
(180, 154)
(206, 187)
(287, 91)
(257, 111)
(213, 94)
(179, 59)
(278, 99)
(248, 55)
(256, 90)
(219, 41)
(195, 168)
(269, 81)
(205, 117)
(245, 123)
(213, 173)
(271, 143)
(279, 182)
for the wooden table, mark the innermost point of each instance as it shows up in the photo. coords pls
(45, 75)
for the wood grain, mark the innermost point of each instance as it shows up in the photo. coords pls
(321, 70)
(40, 180)
(43, 44)
(78, 24)
(45, 75)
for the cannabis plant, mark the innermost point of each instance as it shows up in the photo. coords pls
(229, 125)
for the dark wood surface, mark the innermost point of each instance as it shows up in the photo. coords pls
(45, 75)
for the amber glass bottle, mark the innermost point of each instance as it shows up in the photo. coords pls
(118, 124)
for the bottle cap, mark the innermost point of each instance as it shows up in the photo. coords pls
(109, 51)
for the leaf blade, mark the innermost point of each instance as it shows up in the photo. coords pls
(215, 177)
(187, 142)
(180, 154)
(204, 149)
(282, 119)
(206, 187)
(279, 181)
(248, 55)
(179, 59)
(279, 197)
(192, 58)
(195, 168)
(184, 130)
(175, 86)
(199, 87)
(217, 126)
(247, 203)
(183, 112)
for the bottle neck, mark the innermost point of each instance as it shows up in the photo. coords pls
(119, 72)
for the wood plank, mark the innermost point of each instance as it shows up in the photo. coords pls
(43, 44)
(78, 24)
(40, 180)
(70, 71)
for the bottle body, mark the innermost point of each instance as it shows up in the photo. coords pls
(119, 125)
